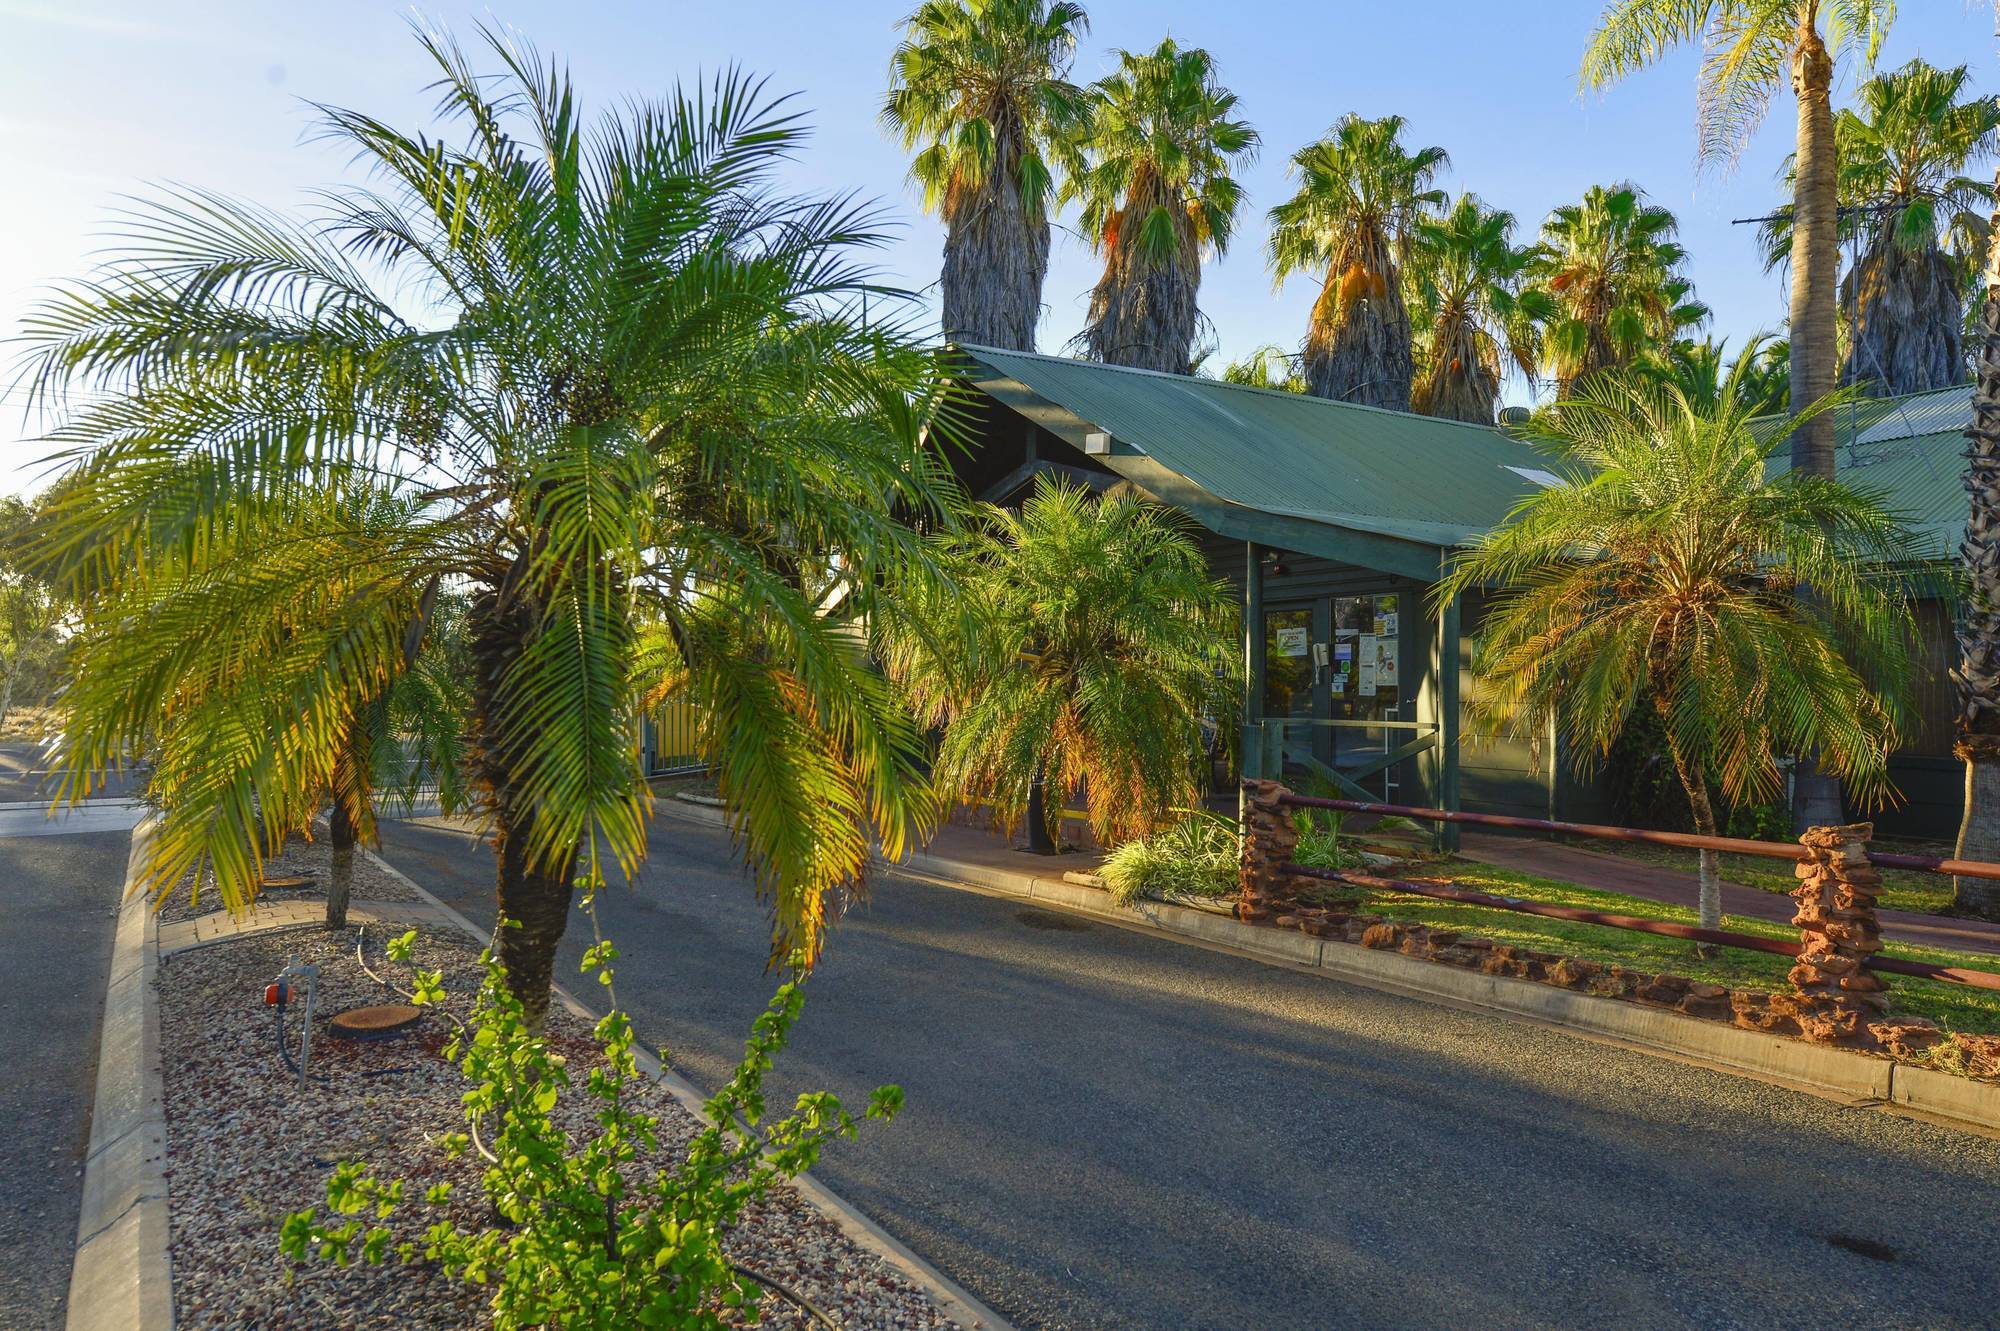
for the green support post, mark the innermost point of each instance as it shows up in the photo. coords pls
(1448, 668)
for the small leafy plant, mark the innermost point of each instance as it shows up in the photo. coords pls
(583, 1236)
(1196, 856)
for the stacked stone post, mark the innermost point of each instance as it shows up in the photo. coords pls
(1268, 842)
(1836, 997)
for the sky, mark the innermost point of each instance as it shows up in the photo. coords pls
(102, 100)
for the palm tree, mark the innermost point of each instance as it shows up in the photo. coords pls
(1901, 161)
(980, 90)
(1702, 372)
(1750, 47)
(1607, 274)
(1265, 367)
(1360, 200)
(1665, 567)
(1151, 166)
(1466, 281)
(1096, 645)
(639, 393)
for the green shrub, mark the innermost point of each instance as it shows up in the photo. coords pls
(584, 1237)
(1195, 857)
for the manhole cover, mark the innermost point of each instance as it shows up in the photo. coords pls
(1042, 919)
(384, 1021)
(285, 880)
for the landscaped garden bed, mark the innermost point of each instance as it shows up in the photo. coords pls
(299, 859)
(248, 1145)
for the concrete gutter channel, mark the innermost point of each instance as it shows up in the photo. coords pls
(122, 1276)
(1841, 1074)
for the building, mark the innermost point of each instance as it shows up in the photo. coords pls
(1333, 521)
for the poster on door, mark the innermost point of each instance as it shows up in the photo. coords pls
(1292, 641)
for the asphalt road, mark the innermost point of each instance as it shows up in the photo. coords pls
(58, 906)
(1110, 1130)
(25, 776)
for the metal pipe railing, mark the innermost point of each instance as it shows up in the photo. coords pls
(1640, 924)
(1773, 850)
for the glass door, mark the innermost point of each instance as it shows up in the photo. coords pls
(1366, 681)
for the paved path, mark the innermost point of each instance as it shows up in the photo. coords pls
(1616, 873)
(1110, 1130)
(58, 902)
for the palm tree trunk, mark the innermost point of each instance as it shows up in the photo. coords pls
(1695, 783)
(534, 898)
(340, 884)
(1815, 249)
(996, 253)
(1978, 673)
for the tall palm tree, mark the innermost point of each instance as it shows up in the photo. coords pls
(639, 393)
(1152, 167)
(1978, 672)
(1664, 568)
(1360, 199)
(1750, 47)
(980, 90)
(1082, 646)
(1474, 315)
(1901, 159)
(1608, 274)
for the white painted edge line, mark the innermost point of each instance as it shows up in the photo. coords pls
(121, 1278)
(958, 1303)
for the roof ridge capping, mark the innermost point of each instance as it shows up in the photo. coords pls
(976, 350)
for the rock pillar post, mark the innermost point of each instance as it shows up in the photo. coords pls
(1268, 842)
(1836, 996)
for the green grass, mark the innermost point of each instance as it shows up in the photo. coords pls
(1954, 1007)
(1902, 889)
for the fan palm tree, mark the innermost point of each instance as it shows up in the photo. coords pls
(639, 393)
(1751, 48)
(980, 90)
(1901, 159)
(1361, 197)
(1608, 276)
(1152, 167)
(1083, 649)
(1466, 279)
(1664, 567)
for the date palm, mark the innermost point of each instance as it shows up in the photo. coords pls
(1082, 648)
(638, 394)
(1751, 48)
(980, 90)
(1664, 568)
(1361, 197)
(1152, 167)
(1466, 279)
(1607, 274)
(1904, 193)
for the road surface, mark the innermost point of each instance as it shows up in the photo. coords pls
(1112, 1130)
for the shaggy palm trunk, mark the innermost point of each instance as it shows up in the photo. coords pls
(996, 253)
(1907, 333)
(534, 898)
(1358, 348)
(1816, 798)
(1142, 313)
(1457, 385)
(1978, 673)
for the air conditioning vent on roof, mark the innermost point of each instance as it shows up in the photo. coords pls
(1097, 444)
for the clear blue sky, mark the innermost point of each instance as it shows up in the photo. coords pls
(101, 98)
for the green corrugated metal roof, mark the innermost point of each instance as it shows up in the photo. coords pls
(1415, 478)
(1908, 451)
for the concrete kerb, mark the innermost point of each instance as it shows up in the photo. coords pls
(1845, 1075)
(958, 1303)
(122, 1276)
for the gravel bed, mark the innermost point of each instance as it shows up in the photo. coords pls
(247, 1146)
(299, 856)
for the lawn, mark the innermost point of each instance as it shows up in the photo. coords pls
(1902, 889)
(1954, 1007)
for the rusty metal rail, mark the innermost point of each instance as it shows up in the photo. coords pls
(1773, 850)
(1976, 979)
